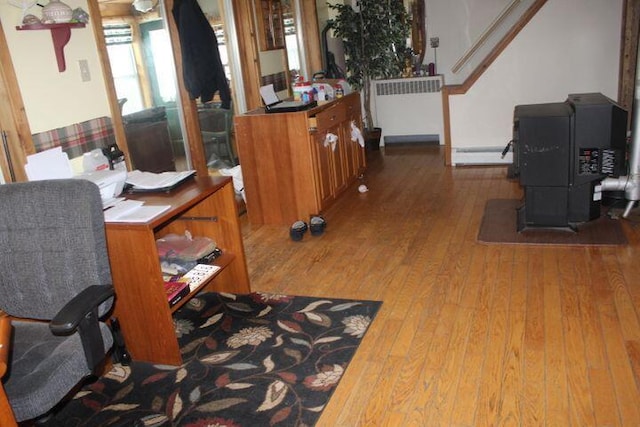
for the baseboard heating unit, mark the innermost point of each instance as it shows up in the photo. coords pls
(480, 156)
(409, 110)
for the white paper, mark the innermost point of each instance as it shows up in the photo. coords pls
(153, 181)
(48, 164)
(142, 213)
(268, 94)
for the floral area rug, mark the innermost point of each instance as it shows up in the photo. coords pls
(249, 360)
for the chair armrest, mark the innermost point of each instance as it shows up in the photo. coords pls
(70, 316)
(5, 343)
(6, 412)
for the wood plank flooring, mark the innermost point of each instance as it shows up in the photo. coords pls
(469, 334)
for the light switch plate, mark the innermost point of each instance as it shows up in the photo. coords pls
(85, 74)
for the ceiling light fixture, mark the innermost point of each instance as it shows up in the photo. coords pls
(143, 6)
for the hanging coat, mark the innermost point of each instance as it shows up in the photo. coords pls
(203, 72)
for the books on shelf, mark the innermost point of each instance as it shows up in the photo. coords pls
(178, 286)
(176, 289)
(200, 274)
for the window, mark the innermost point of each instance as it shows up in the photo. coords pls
(123, 67)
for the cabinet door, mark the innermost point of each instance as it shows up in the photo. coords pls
(356, 151)
(350, 160)
(340, 158)
(323, 164)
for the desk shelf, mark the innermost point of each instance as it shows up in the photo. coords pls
(60, 34)
(223, 261)
(205, 207)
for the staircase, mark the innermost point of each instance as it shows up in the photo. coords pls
(472, 64)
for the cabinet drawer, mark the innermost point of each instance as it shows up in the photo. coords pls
(330, 117)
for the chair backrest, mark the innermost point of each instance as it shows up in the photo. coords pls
(216, 120)
(52, 245)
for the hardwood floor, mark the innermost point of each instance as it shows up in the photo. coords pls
(469, 334)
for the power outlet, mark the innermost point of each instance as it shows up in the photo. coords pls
(85, 74)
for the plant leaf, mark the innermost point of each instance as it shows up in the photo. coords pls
(295, 354)
(268, 364)
(264, 312)
(301, 342)
(327, 339)
(176, 407)
(119, 407)
(281, 415)
(313, 305)
(154, 420)
(239, 386)
(289, 326)
(289, 377)
(318, 319)
(219, 357)
(276, 393)
(344, 306)
(195, 394)
(123, 392)
(219, 405)
(192, 345)
(212, 320)
(119, 373)
(181, 374)
(279, 341)
(241, 366)
(240, 307)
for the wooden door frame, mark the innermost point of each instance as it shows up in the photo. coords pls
(13, 118)
(628, 55)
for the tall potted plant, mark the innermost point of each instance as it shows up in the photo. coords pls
(374, 35)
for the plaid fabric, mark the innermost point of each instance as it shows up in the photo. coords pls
(77, 138)
(279, 81)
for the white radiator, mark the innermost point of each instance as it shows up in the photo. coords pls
(480, 156)
(408, 110)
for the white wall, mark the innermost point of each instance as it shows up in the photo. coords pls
(53, 99)
(570, 46)
(458, 24)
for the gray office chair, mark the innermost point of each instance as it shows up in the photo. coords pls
(54, 269)
(216, 125)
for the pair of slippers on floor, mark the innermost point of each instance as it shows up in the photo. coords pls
(316, 225)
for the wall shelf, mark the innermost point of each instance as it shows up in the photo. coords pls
(60, 34)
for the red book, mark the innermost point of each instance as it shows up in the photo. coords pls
(176, 290)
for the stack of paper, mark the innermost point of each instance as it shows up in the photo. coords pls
(133, 211)
(48, 164)
(156, 181)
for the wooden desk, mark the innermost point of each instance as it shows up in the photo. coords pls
(205, 207)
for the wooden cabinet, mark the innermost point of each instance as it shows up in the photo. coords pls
(290, 170)
(205, 207)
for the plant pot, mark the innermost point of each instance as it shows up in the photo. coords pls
(372, 139)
